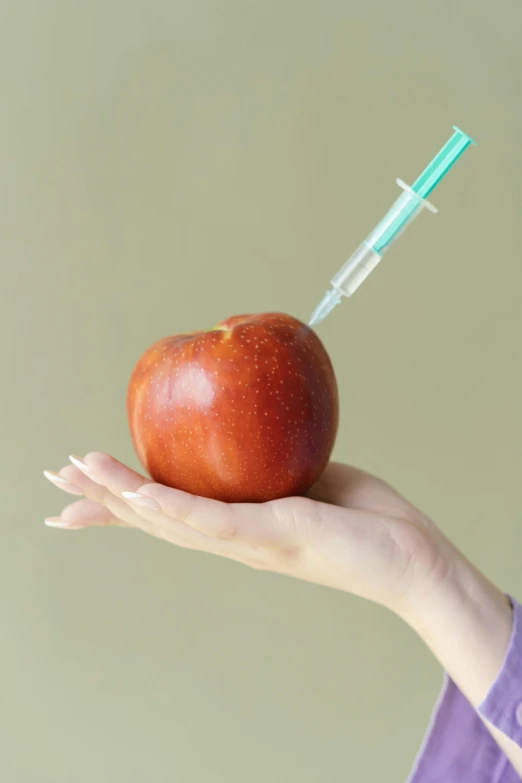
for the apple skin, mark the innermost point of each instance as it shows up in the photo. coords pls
(245, 412)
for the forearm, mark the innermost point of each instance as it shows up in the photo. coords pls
(467, 624)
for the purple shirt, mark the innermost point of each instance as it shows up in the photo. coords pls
(458, 748)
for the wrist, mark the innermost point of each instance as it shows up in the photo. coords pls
(466, 621)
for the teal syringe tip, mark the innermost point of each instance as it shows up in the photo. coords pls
(442, 162)
(458, 130)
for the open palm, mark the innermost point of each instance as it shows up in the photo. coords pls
(352, 532)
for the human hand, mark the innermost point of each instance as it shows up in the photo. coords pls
(353, 532)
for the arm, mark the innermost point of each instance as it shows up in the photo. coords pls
(354, 533)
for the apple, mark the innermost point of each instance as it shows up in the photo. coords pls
(245, 412)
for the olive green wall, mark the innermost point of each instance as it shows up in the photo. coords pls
(163, 165)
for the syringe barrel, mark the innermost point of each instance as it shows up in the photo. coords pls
(356, 269)
(369, 253)
(400, 215)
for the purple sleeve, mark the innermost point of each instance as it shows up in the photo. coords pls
(458, 747)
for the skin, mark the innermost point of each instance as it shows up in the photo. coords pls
(352, 532)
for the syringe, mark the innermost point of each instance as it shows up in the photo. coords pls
(403, 212)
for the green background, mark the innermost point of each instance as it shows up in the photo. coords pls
(164, 165)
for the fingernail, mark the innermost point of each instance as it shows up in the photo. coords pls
(55, 522)
(62, 483)
(141, 500)
(85, 469)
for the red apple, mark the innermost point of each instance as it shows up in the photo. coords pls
(245, 412)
